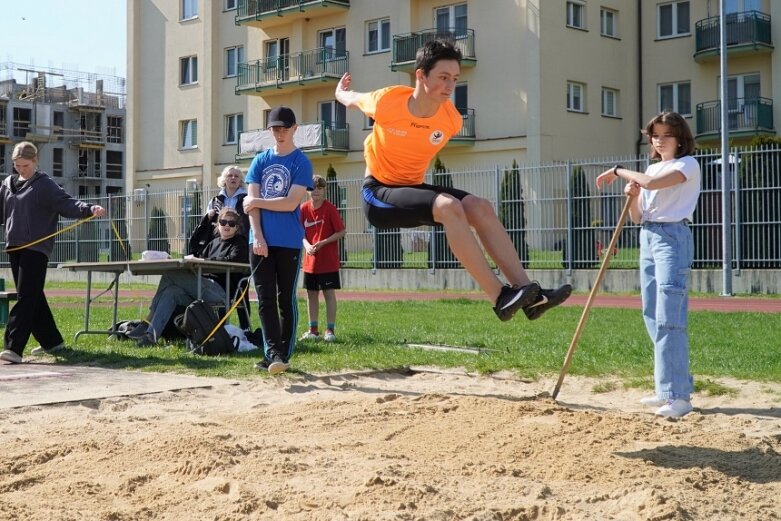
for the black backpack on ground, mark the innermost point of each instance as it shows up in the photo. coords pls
(198, 320)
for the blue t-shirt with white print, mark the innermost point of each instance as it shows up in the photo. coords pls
(276, 175)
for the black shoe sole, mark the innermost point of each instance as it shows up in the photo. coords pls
(529, 296)
(533, 313)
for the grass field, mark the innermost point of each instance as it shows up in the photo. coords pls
(374, 335)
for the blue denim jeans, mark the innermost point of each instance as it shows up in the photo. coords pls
(666, 254)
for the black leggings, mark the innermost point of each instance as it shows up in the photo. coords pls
(275, 283)
(410, 206)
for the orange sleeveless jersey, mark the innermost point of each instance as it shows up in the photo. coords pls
(401, 146)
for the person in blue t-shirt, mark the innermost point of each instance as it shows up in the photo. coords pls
(276, 181)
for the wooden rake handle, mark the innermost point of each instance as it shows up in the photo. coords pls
(592, 294)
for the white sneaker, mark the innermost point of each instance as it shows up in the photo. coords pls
(675, 409)
(10, 356)
(40, 350)
(329, 336)
(309, 336)
(653, 401)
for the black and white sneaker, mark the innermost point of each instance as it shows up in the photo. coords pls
(546, 299)
(513, 298)
(277, 365)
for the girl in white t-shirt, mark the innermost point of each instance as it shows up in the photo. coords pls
(663, 201)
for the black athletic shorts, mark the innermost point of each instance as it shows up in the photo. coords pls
(407, 206)
(322, 281)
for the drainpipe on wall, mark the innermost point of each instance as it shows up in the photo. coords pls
(639, 75)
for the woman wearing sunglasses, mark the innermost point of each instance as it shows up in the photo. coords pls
(180, 288)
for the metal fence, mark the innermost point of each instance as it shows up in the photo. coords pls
(555, 217)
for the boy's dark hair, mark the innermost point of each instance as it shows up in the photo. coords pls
(435, 50)
(680, 129)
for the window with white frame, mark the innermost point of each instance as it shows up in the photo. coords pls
(230, 5)
(189, 9)
(233, 57)
(188, 70)
(333, 114)
(576, 15)
(460, 98)
(609, 102)
(576, 95)
(368, 122)
(333, 43)
(607, 23)
(672, 19)
(676, 97)
(234, 125)
(188, 134)
(451, 19)
(378, 35)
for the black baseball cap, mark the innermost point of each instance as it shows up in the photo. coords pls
(281, 117)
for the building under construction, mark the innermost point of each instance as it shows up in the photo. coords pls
(77, 121)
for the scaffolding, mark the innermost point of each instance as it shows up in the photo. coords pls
(50, 85)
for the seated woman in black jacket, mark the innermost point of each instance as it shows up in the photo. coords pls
(180, 288)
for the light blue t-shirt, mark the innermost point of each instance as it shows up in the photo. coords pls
(276, 175)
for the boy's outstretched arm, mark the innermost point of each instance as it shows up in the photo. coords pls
(344, 95)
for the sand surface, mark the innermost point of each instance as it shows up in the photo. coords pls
(417, 445)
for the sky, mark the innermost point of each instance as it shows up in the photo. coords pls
(78, 35)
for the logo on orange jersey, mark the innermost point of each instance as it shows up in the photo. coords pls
(436, 137)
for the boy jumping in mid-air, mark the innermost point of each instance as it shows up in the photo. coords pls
(410, 126)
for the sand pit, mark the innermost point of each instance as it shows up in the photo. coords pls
(422, 445)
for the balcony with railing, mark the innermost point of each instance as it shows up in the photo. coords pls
(467, 135)
(291, 72)
(405, 46)
(748, 32)
(314, 138)
(747, 117)
(269, 13)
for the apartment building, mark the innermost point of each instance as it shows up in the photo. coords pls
(77, 121)
(541, 80)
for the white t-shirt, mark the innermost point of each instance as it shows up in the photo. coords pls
(675, 203)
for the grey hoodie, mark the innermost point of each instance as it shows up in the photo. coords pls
(32, 212)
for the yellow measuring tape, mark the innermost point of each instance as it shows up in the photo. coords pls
(70, 227)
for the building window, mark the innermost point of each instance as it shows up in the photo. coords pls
(188, 131)
(3, 122)
(576, 15)
(22, 121)
(234, 125)
(460, 98)
(609, 102)
(230, 5)
(58, 122)
(607, 23)
(451, 19)
(333, 43)
(676, 97)
(368, 122)
(576, 97)
(57, 162)
(673, 19)
(233, 57)
(113, 164)
(188, 70)
(189, 9)
(114, 129)
(378, 35)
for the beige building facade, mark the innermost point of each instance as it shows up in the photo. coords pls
(541, 81)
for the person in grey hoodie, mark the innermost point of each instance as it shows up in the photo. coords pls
(30, 206)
